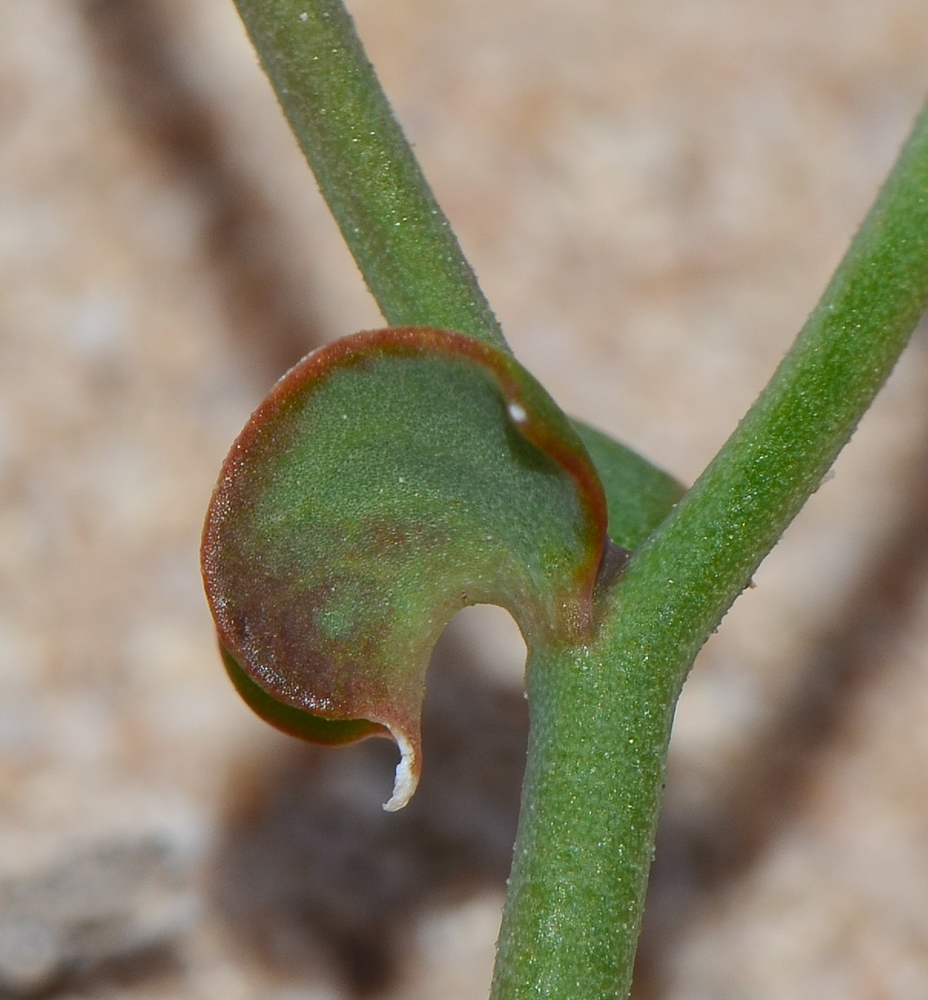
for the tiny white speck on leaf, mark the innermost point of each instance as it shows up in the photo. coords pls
(304, 16)
(517, 413)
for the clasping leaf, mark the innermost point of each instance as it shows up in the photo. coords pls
(388, 480)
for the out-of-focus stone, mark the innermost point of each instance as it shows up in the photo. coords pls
(109, 902)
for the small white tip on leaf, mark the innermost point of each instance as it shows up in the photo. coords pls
(405, 781)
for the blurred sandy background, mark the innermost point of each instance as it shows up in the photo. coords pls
(653, 195)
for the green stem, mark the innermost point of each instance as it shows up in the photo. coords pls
(401, 239)
(601, 716)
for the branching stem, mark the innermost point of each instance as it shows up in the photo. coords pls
(601, 714)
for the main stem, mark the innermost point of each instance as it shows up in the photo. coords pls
(601, 713)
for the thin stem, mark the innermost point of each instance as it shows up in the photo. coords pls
(601, 716)
(400, 238)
